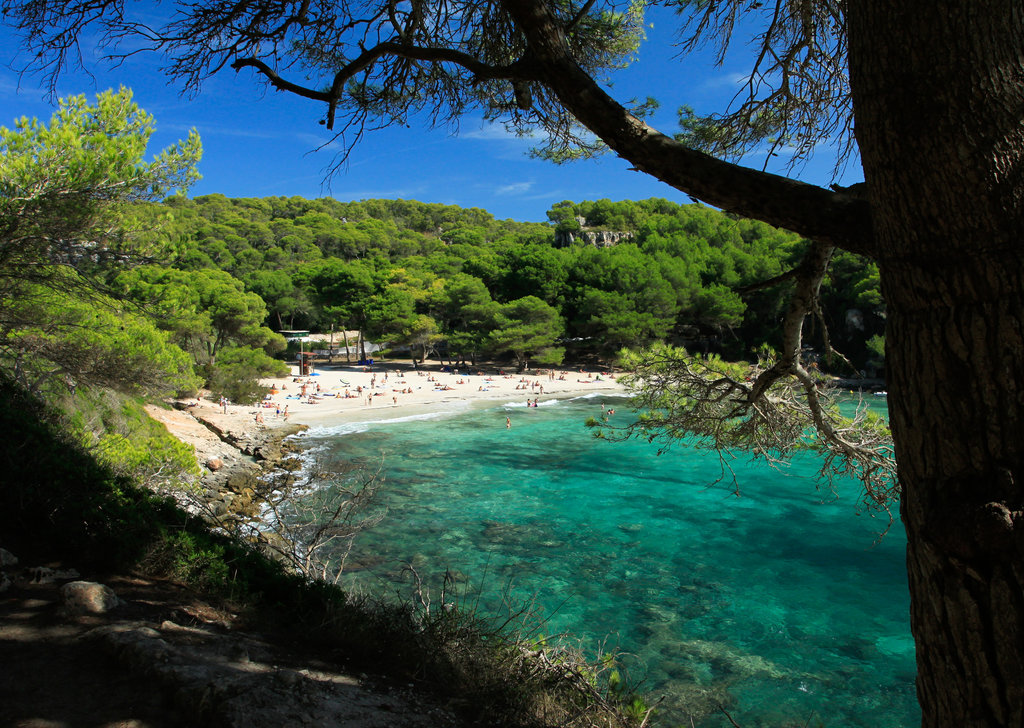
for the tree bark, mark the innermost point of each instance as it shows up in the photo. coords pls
(939, 98)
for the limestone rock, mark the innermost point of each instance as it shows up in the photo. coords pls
(88, 597)
(595, 238)
(46, 575)
(214, 464)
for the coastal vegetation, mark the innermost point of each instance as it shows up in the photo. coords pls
(927, 95)
(455, 283)
(110, 282)
(119, 295)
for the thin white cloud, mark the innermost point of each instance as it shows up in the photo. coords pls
(489, 132)
(8, 87)
(517, 188)
(205, 128)
(553, 195)
(730, 80)
(319, 143)
(396, 193)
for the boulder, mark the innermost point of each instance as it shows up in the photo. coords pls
(214, 464)
(88, 597)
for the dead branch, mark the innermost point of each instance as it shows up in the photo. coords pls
(311, 525)
(765, 409)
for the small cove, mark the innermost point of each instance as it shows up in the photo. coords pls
(781, 601)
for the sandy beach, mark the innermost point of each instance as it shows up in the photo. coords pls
(340, 393)
(344, 393)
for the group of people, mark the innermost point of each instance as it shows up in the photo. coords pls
(528, 384)
(385, 383)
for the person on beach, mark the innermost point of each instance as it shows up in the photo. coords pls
(285, 413)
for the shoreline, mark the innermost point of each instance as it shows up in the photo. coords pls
(236, 452)
(388, 391)
(383, 391)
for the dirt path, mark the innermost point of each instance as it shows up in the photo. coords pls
(164, 659)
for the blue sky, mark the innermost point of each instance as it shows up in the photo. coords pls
(259, 143)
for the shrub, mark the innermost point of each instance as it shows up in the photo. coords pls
(237, 372)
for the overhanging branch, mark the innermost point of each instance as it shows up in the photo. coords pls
(830, 217)
(368, 57)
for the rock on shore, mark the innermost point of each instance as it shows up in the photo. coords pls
(234, 452)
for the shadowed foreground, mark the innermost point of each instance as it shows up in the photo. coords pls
(166, 658)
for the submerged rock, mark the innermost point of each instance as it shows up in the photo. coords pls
(723, 659)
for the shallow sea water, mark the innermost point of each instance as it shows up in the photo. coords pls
(780, 602)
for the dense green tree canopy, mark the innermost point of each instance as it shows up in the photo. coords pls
(64, 185)
(66, 218)
(207, 310)
(527, 328)
(54, 335)
(681, 272)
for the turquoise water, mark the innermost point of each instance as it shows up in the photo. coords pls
(779, 602)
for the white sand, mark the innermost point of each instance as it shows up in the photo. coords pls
(396, 390)
(403, 392)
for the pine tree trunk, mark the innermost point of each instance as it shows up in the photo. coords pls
(939, 98)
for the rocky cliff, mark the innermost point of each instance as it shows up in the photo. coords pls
(597, 238)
